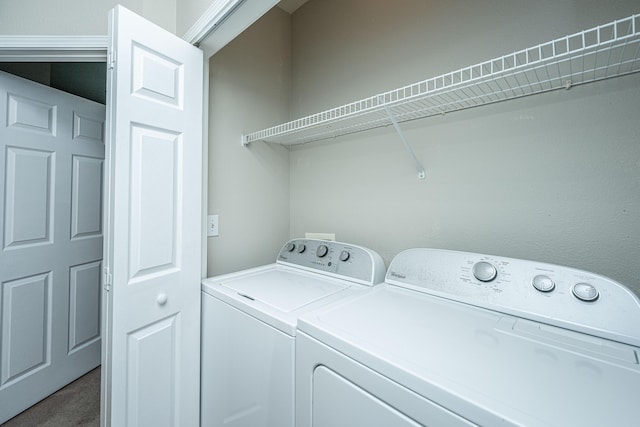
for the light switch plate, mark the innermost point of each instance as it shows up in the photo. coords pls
(212, 226)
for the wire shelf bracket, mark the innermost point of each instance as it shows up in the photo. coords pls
(412, 154)
(603, 52)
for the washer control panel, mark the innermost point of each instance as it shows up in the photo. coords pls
(557, 295)
(334, 258)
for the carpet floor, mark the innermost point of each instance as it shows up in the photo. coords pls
(77, 404)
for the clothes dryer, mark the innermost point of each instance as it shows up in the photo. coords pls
(249, 326)
(459, 339)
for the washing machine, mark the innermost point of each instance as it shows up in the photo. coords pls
(249, 327)
(460, 339)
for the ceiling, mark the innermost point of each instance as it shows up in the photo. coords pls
(291, 6)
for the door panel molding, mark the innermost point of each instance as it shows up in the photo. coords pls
(86, 202)
(156, 77)
(152, 358)
(84, 305)
(87, 129)
(29, 197)
(155, 232)
(26, 326)
(32, 115)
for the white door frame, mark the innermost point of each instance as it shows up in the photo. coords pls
(53, 48)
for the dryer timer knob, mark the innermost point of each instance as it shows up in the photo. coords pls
(484, 271)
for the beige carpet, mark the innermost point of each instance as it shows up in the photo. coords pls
(77, 404)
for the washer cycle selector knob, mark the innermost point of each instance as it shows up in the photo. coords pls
(301, 248)
(543, 283)
(585, 292)
(322, 251)
(344, 255)
(484, 271)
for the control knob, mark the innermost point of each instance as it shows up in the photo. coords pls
(543, 283)
(585, 292)
(301, 248)
(322, 251)
(344, 255)
(484, 271)
(291, 247)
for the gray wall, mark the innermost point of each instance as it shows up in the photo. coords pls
(78, 17)
(188, 12)
(249, 187)
(85, 79)
(555, 177)
(39, 72)
(89, 17)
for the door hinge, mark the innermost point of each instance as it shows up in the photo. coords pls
(107, 279)
(111, 59)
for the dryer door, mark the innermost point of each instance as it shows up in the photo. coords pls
(334, 390)
(338, 402)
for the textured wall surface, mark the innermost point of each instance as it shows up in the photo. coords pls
(553, 177)
(77, 17)
(249, 187)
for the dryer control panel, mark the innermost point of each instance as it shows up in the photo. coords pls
(548, 293)
(337, 259)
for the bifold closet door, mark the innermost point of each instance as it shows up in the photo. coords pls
(152, 256)
(51, 191)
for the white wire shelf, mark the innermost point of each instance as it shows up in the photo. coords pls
(603, 52)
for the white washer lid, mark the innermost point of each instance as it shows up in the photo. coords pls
(277, 294)
(286, 291)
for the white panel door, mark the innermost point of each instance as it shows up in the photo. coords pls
(151, 359)
(51, 157)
